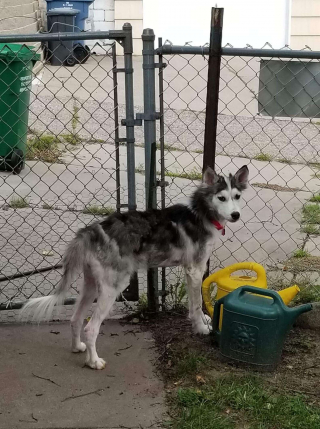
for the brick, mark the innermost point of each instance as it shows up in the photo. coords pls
(98, 15)
(109, 15)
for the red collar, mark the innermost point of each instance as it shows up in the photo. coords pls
(219, 226)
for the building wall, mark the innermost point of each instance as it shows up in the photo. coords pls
(21, 16)
(253, 22)
(101, 18)
(130, 11)
(305, 24)
(108, 15)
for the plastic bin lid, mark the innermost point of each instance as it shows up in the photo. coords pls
(63, 11)
(73, 1)
(15, 52)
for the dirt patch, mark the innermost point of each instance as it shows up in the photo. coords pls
(298, 372)
(297, 265)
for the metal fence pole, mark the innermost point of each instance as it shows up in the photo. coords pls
(149, 116)
(213, 82)
(210, 133)
(132, 292)
(162, 161)
(129, 121)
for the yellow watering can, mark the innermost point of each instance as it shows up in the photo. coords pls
(227, 283)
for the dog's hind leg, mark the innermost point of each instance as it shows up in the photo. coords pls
(194, 280)
(109, 287)
(87, 296)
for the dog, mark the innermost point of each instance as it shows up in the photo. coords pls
(110, 251)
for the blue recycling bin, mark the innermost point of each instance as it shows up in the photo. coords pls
(81, 5)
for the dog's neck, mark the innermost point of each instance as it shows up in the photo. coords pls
(204, 212)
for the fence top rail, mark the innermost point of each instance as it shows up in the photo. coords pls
(239, 52)
(44, 37)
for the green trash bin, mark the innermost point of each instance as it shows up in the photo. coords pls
(16, 63)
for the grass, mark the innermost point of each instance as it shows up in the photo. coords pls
(315, 199)
(311, 214)
(309, 293)
(97, 210)
(43, 148)
(300, 253)
(189, 364)
(263, 157)
(285, 161)
(72, 139)
(241, 402)
(47, 206)
(140, 169)
(310, 229)
(18, 203)
(191, 175)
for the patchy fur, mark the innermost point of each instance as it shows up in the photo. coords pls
(109, 252)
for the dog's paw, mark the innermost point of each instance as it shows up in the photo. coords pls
(206, 319)
(201, 329)
(79, 348)
(97, 364)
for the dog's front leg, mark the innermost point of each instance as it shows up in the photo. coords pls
(200, 323)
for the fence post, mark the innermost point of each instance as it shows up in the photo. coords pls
(129, 121)
(149, 116)
(210, 133)
(213, 83)
(132, 292)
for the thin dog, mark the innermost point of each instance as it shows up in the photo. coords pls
(110, 251)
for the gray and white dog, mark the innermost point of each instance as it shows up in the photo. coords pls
(110, 251)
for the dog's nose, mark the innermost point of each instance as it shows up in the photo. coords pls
(235, 215)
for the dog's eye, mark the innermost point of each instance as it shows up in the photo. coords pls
(222, 198)
(237, 197)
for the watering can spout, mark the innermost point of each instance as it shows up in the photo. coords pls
(288, 294)
(295, 312)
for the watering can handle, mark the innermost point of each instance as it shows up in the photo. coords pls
(206, 295)
(216, 317)
(252, 266)
(264, 292)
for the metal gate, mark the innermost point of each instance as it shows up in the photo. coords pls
(79, 163)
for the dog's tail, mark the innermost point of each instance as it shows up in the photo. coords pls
(42, 308)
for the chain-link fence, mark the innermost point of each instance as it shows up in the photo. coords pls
(65, 160)
(75, 151)
(269, 102)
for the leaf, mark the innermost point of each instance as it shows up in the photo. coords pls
(47, 253)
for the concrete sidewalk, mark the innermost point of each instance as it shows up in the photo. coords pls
(43, 385)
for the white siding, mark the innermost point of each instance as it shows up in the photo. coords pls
(251, 22)
(305, 24)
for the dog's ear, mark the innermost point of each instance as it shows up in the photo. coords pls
(210, 177)
(241, 177)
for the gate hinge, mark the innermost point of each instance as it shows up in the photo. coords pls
(154, 66)
(125, 140)
(131, 122)
(122, 70)
(148, 117)
(162, 183)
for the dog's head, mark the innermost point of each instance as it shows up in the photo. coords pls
(223, 193)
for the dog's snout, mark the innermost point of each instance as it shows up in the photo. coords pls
(235, 215)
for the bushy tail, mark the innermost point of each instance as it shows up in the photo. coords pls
(42, 308)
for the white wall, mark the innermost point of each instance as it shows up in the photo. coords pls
(245, 21)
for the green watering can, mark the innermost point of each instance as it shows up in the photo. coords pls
(254, 328)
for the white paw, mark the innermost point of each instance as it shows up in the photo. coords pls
(206, 319)
(201, 328)
(79, 348)
(97, 364)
